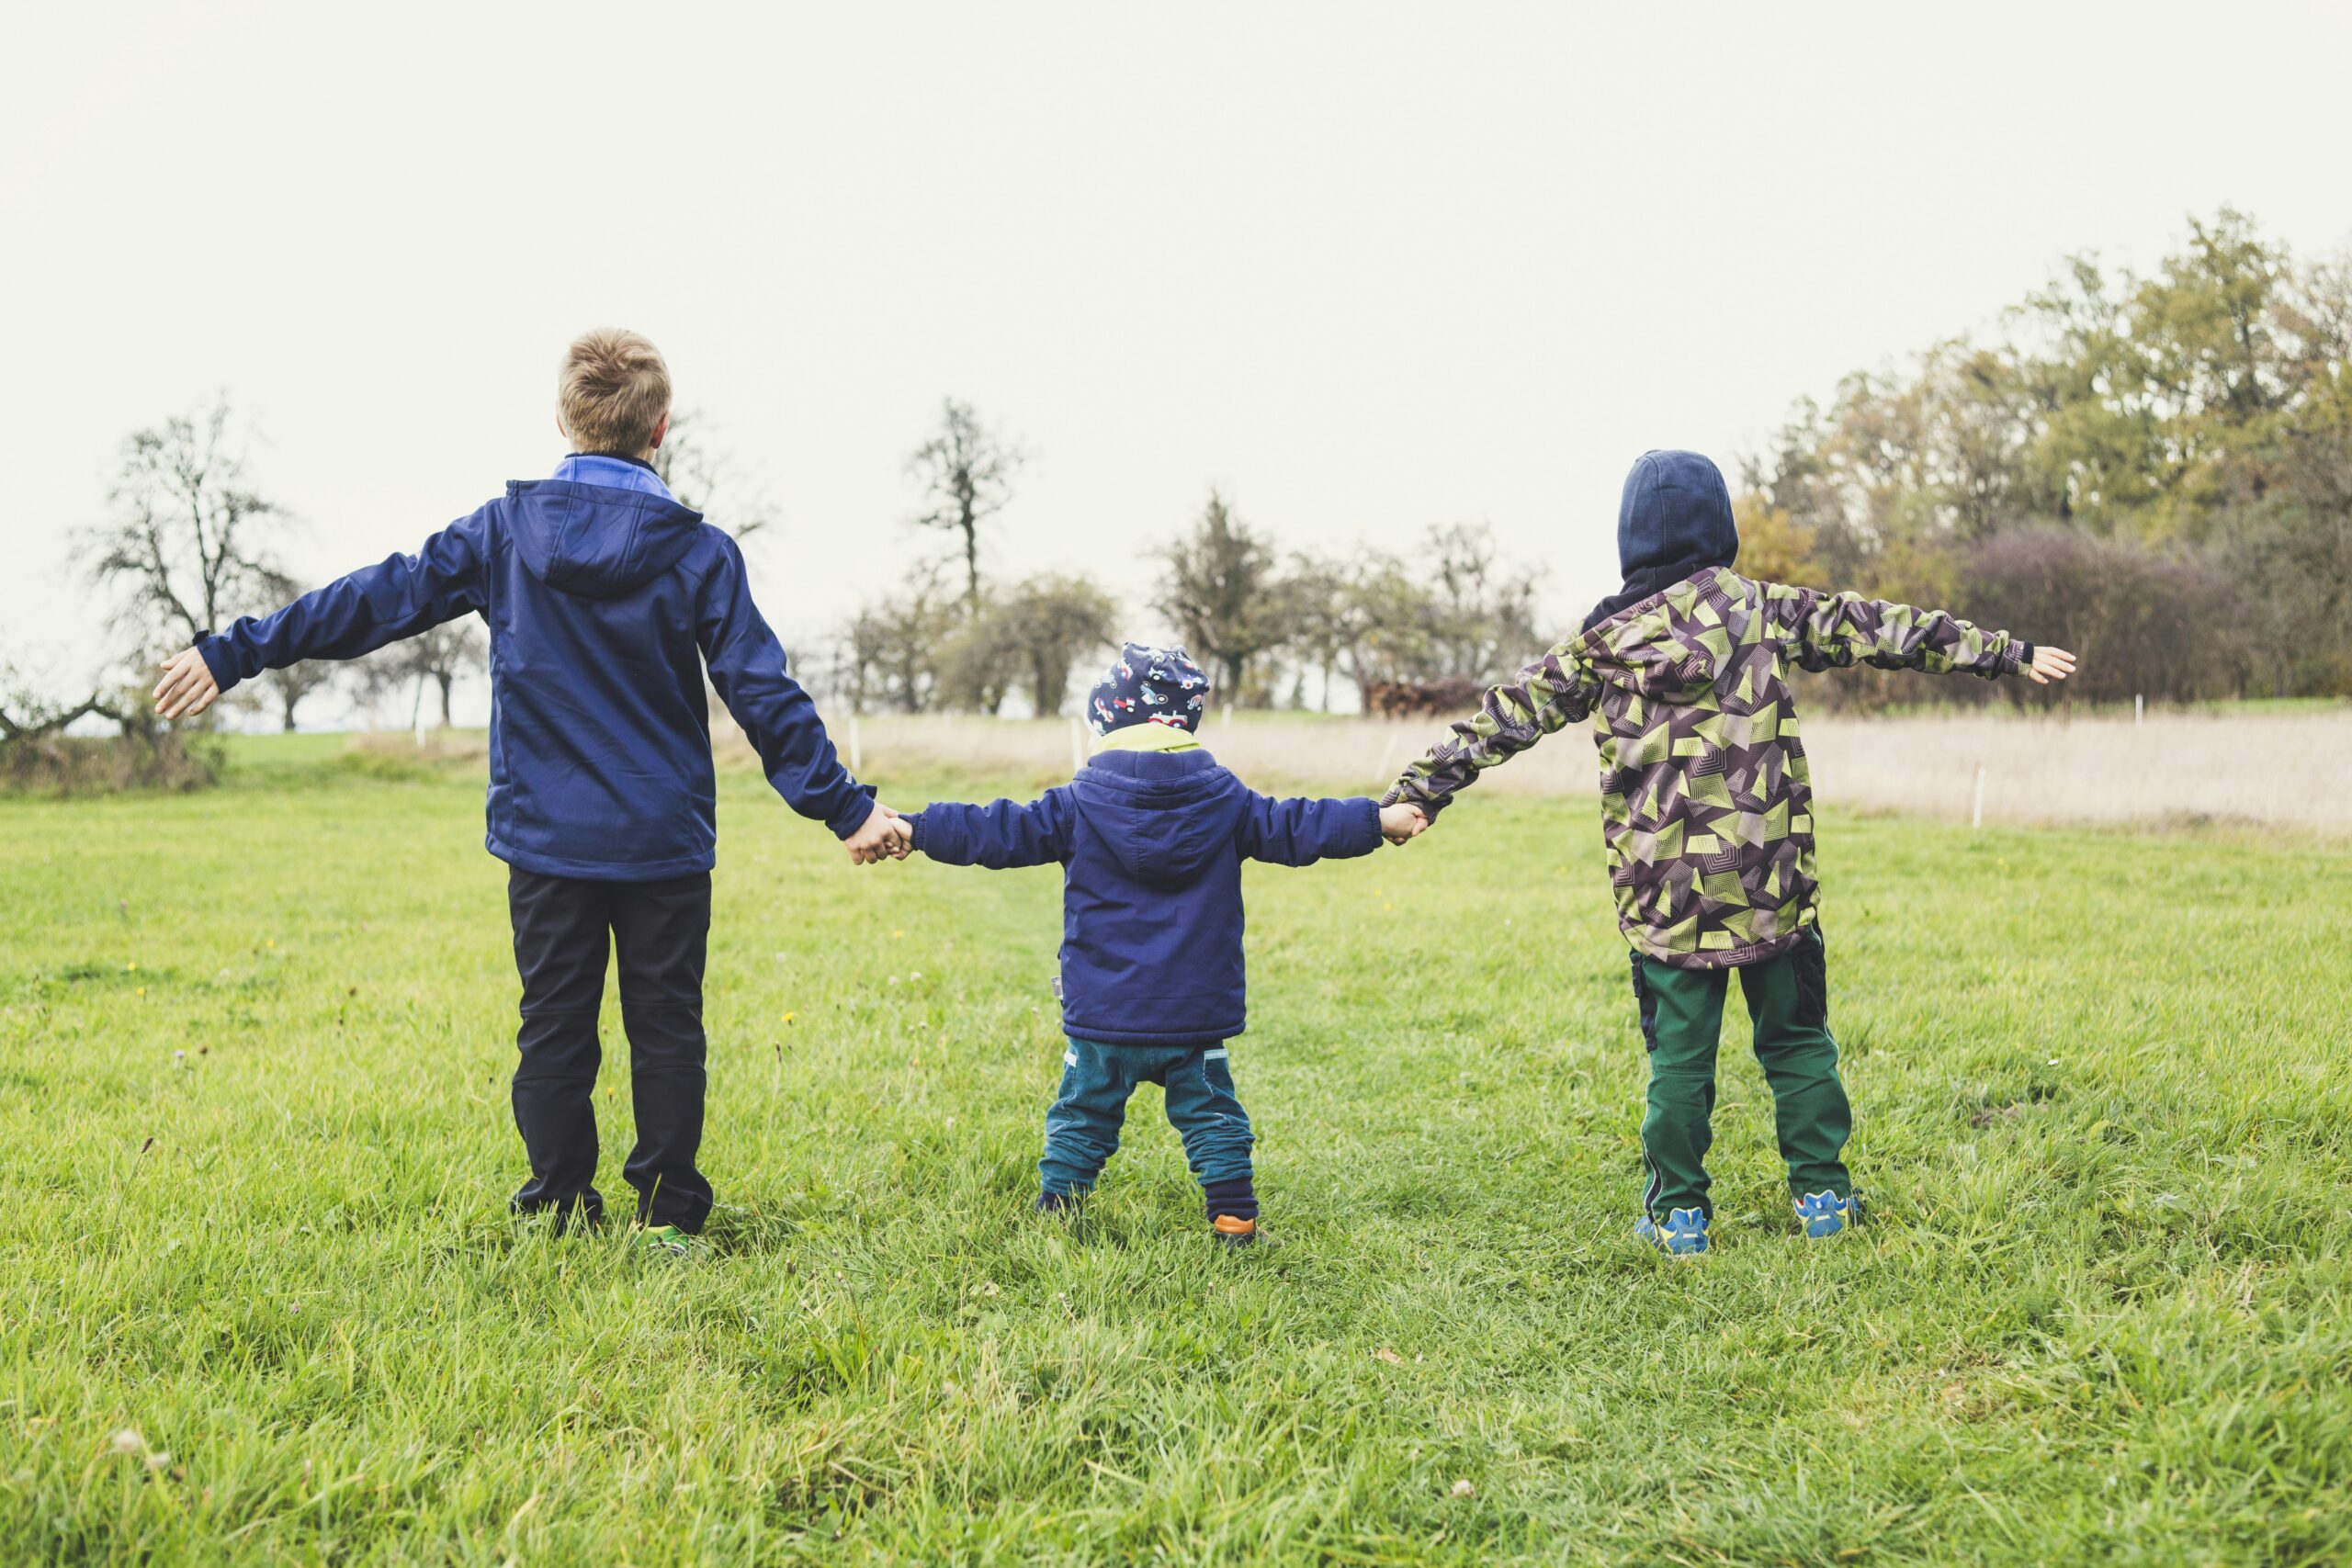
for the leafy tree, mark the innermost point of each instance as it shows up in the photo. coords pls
(965, 472)
(976, 660)
(1026, 640)
(1221, 590)
(2199, 415)
(1326, 620)
(1453, 610)
(1053, 622)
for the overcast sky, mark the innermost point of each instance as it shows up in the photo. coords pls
(1365, 268)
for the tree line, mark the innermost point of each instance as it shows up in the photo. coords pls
(1269, 627)
(2153, 470)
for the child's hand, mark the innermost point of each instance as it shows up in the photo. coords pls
(2050, 664)
(885, 836)
(1400, 823)
(187, 687)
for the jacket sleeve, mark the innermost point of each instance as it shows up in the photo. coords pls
(1001, 834)
(1826, 630)
(1300, 831)
(1554, 691)
(747, 668)
(395, 598)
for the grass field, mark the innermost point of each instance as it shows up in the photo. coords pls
(2104, 1095)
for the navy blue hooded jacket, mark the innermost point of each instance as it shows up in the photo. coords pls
(604, 604)
(1151, 845)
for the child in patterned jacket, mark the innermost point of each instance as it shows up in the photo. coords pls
(1707, 813)
(1151, 835)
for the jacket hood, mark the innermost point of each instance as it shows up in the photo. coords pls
(596, 542)
(1164, 815)
(1675, 516)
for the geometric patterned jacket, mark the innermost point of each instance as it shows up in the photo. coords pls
(1706, 805)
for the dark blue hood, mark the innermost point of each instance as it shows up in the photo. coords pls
(1675, 516)
(593, 541)
(1163, 817)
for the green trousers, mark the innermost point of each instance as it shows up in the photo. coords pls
(1682, 1013)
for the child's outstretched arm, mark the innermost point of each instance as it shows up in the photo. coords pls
(1554, 691)
(1300, 831)
(747, 670)
(359, 613)
(1827, 630)
(1000, 835)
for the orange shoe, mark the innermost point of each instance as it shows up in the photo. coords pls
(1233, 1232)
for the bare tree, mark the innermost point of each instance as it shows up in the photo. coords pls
(890, 652)
(697, 474)
(291, 686)
(1482, 609)
(447, 654)
(27, 715)
(436, 660)
(965, 472)
(187, 548)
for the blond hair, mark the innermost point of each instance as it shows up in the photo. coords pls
(612, 391)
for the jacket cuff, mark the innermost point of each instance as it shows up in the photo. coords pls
(1370, 819)
(1427, 806)
(2025, 655)
(214, 651)
(914, 826)
(851, 818)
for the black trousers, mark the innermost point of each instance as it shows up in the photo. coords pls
(659, 931)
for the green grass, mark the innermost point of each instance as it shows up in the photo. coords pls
(2103, 1087)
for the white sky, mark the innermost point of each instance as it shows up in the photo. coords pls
(1366, 267)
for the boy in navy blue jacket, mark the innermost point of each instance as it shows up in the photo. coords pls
(604, 600)
(1151, 835)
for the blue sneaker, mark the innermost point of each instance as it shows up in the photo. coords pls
(1825, 1213)
(1683, 1234)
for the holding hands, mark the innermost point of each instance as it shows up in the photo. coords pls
(1401, 823)
(885, 836)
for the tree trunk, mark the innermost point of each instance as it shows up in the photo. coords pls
(971, 527)
(446, 682)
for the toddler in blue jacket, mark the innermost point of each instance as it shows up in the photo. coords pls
(1151, 835)
(605, 600)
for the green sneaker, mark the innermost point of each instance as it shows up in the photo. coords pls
(669, 1240)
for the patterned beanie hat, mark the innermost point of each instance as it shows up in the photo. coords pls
(1149, 685)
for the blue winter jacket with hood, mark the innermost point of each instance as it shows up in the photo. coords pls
(604, 600)
(1151, 845)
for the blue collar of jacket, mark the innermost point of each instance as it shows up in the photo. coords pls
(612, 472)
(1153, 767)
